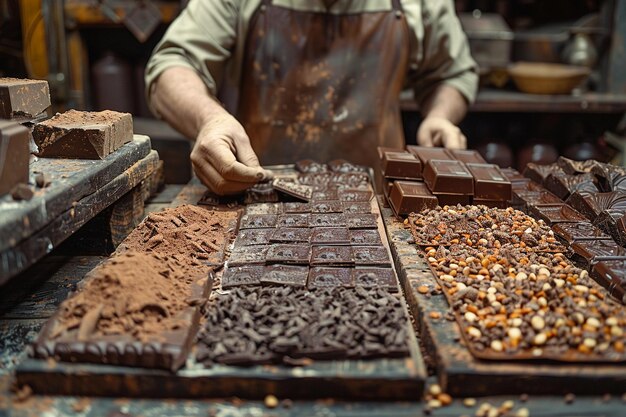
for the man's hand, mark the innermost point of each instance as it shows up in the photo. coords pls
(439, 131)
(223, 159)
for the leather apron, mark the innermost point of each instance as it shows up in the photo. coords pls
(323, 86)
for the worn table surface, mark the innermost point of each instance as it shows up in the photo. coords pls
(24, 309)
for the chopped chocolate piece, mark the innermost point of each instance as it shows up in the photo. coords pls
(251, 237)
(289, 254)
(408, 197)
(375, 278)
(325, 195)
(295, 276)
(23, 98)
(330, 236)
(362, 221)
(293, 220)
(536, 199)
(491, 203)
(620, 234)
(326, 207)
(309, 166)
(343, 166)
(382, 149)
(609, 222)
(290, 235)
(364, 237)
(576, 232)
(355, 195)
(328, 220)
(266, 208)
(612, 276)
(402, 165)
(557, 214)
(332, 255)
(321, 277)
(451, 177)
(258, 221)
(513, 175)
(296, 208)
(425, 154)
(610, 177)
(352, 207)
(41, 179)
(237, 276)
(245, 255)
(468, 156)
(562, 185)
(569, 166)
(85, 135)
(449, 199)
(371, 256)
(489, 182)
(14, 155)
(591, 205)
(262, 192)
(590, 252)
(538, 173)
(294, 189)
(22, 192)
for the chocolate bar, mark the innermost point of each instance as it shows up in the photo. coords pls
(258, 221)
(571, 167)
(538, 173)
(294, 276)
(23, 98)
(265, 208)
(489, 182)
(375, 278)
(250, 237)
(326, 207)
(14, 155)
(562, 185)
(468, 156)
(370, 256)
(575, 232)
(290, 235)
(245, 255)
(296, 207)
(238, 276)
(293, 220)
(84, 135)
(354, 195)
(323, 277)
(450, 177)
(589, 252)
(332, 256)
(425, 154)
(364, 237)
(289, 254)
(330, 236)
(354, 207)
(327, 195)
(328, 220)
(612, 276)
(411, 197)
(362, 221)
(557, 214)
(309, 166)
(294, 189)
(591, 205)
(401, 165)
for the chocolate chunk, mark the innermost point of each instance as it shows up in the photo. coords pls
(610, 177)
(22, 192)
(576, 232)
(245, 255)
(350, 207)
(489, 182)
(326, 207)
(401, 165)
(327, 195)
(237, 276)
(591, 205)
(562, 185)
(290, 235)
(332, 256)
(411, 197)
(330, 236)
(23, 98)
(295, 276)
(14, 155)
(328, 220)
(590, 252)
(425, 154)
(538, 173)
(609, 222)
(250, 237)
(375, 278)
(354, 195)
(84, 135)
(293, 220)
(612, 276)
(364, 237)
(309, 166)
(289, 254)
(557, 214)
(450, 177)
(362, 221)
(371, 256)
(294, 189)
(468, 156)
(569, 166)
(258, 221)
(343, 166)
(322, 277)
(296, 207)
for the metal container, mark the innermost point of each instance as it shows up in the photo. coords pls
(490, 39)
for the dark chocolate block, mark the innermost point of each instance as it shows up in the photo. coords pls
(375, 278)
(327, 195)
(362, 221)
(247, 255)
(330, 236)
(382, 149)
(290, 235)
(289, 254)
(411, 197)
(23, 98)
(468, 156)
(294, 189)
(451, 177)
(309, 166)
(562, 185)
(322, 277)
(569, 166)
(401, 165)
(612, 276)
(364, 237)
(238, 276)
(346, 167)
(591, 205)
(258, 221)
(354, 195)
(589, 252)
(609, 222)
(610, 177)
(489, 182)
(265, 208)
(328, 220)
(538, 173)
(326, 207)
(352, 207)
(557, 214)
(293, 220)
(14, 155)
(576, 232)
(448, 199)
(250, 237)
(332, 256)
(84, 135)
(425, 154)
(294, 276)
(513, 175)
(370, 256)
(296, 208)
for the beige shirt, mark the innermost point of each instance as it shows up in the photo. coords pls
(209, 36)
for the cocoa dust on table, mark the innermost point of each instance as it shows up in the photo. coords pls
(194, 236)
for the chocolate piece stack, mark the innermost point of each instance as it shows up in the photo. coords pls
(449, 177)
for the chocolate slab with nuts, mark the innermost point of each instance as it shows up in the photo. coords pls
(612, 276)
(591, 205)
(330, 236)
(376, 278)
(294, 276)
(293, 220)
(296, 207)
(590, 252)
(370, 256)
(425, 154)
(411, 197)
(325, 277)
(327, 220)
(290, 235)
(401, 165)
(245, 255)
(450, 177)
(239, 276)
(353, 207)
(557, 214)
(326, 207)
(258, 221)
(364, 237)
(14, 155)
(294, 189)
(562, 185)
(489, 182)
(362, 221)
(251, 237)
(23, 98)
(355, 195)
(575, 232)
(331, 256)
(468, 156)
(299, 254)
(538, 173)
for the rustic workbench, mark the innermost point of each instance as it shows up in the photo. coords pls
(25, 303)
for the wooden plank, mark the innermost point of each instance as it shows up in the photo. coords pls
(460, 374)
(27, 252)
(71, 180)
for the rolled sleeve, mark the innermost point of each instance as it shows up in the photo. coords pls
(446, 57)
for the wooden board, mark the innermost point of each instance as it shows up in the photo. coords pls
(460, 374)
(87, 195)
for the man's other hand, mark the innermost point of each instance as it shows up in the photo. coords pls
(438, 131)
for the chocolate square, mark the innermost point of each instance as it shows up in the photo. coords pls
(450, 177)
(612, 276)
(326, 207)
(589, 252)
(289, 254)
(296, 207)
(362, 221)
(557, 214)
(408, 197)
(264, 208)
(250, 237)
(294, 189)
(290, 235)
(513, 175)
(258, 221)
(536, 199)
(562, 185)
(322, 277)
(575, 232)
(330, 236)
(364, 237)
(238, 276)
(468, 156)
(538, 173)
(293, 220)
(332, 255)
(489, 182)
(401, 165)
(328, 220)
(382, 149)
(375, 278)
(425, 154)
(350, 180)
(355, 195)
(295, 276)
(260, 193)
(327, 195)
(591, 205)
(356, 207)
(246, 255)
(371, 256)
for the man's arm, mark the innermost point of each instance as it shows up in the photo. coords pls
(443, 109)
